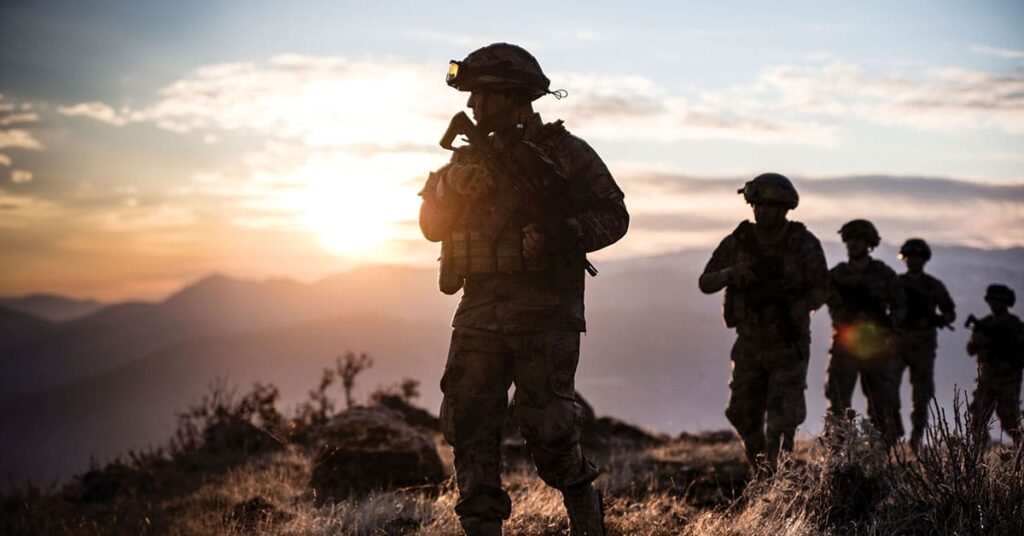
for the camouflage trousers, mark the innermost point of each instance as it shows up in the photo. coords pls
(879, 381)
(481, 367)
(917, 352)
(767, 404)
(997, 389)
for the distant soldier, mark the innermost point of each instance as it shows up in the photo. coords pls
(929, 307)
(774, 274)
(998, 341)
(866, 302)
(516, 211)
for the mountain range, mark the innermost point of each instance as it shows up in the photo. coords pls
(656, 352)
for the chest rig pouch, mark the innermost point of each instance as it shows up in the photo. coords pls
(488, 238)
(779, 278)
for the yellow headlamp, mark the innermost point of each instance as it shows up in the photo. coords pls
(453, 72)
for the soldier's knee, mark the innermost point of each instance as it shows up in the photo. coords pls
(550, 425)
(744, 418)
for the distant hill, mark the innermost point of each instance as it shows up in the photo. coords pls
(52, 307)
(657, 352)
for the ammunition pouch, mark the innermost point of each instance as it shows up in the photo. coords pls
(466, 253)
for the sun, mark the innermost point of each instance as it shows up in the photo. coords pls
(356, 206)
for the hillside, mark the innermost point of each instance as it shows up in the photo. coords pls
(114, 380)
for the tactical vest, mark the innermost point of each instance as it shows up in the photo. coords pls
(1003, 344)
(489, 237)
(922, 300)
(864, 295)
(767, 301)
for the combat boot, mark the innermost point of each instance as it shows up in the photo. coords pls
(916, 437)
(585, 509)
(479, 526)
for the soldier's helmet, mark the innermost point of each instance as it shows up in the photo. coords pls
(916, 246)
(501, 67)
(1001, 293)
(862, 229)
(770, 188)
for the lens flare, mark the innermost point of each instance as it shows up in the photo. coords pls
(864, 339)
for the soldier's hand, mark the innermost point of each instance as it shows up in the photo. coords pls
(472, 182)
(740, 274)
(533, 242)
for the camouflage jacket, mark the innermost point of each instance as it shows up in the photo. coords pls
(873, 293)
(552, 299)
(998, 340)
(925, 294)
(792, 280)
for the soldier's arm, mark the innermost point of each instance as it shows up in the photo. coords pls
(946, 305)
(437, 217)
(834, 299)
(897, 299)
(717, 273)
(602, 219)
(815, 273)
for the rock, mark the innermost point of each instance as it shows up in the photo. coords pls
(255, 513)
(238, 436)
(610, 433)
(368, 449)
(412, 415)
(710, 438)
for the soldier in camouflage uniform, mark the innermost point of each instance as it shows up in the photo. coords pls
(929, 307)
(867, 303)
(521, 312)
(774, 274)
(998, 341)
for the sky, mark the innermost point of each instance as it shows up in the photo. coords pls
(143, 146)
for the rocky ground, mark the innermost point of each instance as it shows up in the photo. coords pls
(237, 466)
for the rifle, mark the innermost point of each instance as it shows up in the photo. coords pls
(538, 186)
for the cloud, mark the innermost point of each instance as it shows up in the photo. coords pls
(19, 139)
(945, 99)
(17, 113)
(1005, 53)
(5, 160)
(95, 110)
(695, 210)
(20, 176)
(18, 118)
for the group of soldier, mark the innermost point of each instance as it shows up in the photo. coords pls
(517, 210)
(775, 275)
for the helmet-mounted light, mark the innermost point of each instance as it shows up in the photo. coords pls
(453, 72)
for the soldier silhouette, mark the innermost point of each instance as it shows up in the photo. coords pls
(774, 275)
(522, 276)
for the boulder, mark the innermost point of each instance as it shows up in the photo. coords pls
(370, 449)
(238, 436)
(412, 415)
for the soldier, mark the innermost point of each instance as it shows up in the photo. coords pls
(521, 313)
(866, 303)
(774, 274)
(917, 341)
(998, 341)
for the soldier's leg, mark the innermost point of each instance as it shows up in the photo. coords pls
(1008, 407)
(786, 406)
(919, 354)
(475, 386)
(982, 405)
(749, 386)
(544, 371)
(882, 393)
(841, 377)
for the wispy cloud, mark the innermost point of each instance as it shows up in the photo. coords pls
(5, 160)
(20, 176)
(19, 139)
(1005, 53)
(699, 210)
